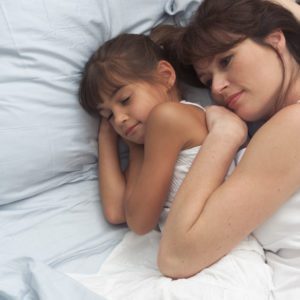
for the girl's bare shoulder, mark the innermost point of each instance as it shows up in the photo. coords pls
(178, 114)
(180, 119)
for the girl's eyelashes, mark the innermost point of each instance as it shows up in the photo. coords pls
(125, 101)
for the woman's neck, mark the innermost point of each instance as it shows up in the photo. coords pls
(292, 85)
(293, 94)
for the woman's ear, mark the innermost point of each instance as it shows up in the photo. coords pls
(277, 40)
(167, 73)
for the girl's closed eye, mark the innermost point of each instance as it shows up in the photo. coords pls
(109, 116)
(125, 101)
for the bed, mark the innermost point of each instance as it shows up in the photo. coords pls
(50, 214)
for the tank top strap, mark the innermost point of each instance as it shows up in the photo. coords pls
(192, 103)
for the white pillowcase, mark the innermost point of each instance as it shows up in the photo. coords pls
(46, 139)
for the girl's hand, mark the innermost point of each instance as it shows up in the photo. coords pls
(106, 132)
(222, 121)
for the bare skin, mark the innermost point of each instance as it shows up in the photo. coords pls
(209, 217)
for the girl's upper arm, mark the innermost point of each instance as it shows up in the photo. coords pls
(265, 178)
(165, 137)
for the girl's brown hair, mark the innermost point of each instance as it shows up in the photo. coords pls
(124, 59)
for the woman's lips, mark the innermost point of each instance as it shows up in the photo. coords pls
(232, 100)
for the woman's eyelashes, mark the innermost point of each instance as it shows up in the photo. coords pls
(225, 61)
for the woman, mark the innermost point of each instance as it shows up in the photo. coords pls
(248, 53)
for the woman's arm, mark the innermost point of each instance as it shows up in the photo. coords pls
(207, 221)
(168, 129)
(111, 178)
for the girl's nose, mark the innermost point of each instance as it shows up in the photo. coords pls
(120, 118)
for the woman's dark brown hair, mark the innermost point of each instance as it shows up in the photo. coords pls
(124, 59)
(219, 25)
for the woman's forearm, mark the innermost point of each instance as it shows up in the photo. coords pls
(205, 176)
(207, 173)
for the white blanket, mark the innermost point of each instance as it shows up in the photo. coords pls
(131, 272)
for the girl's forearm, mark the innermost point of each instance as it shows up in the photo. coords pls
(111, 180)
(136, 157)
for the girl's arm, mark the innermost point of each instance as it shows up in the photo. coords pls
(111, 178)
(136, 158)
(166, 135)
(206, 220)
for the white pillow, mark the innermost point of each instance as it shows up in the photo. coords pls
(46, 139)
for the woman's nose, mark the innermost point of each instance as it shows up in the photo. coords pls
(219, 84)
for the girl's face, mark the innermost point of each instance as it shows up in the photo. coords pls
(246, 79)
(128, 108)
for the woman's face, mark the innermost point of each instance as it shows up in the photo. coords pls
(246, 79)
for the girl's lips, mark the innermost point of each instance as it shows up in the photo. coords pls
(232, 100)
(129, 130)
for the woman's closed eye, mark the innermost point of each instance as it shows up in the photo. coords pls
(225, 61)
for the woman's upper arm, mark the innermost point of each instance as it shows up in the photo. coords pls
(266, 177)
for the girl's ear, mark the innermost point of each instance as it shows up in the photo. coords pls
(167, 73)
(277, 40)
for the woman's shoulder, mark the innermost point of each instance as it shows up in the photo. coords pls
(286, 121)
(277, 142)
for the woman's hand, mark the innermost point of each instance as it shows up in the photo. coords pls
(222, 121)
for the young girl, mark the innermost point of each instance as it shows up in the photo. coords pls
(131, 85)
(133, 88)
(247, 52)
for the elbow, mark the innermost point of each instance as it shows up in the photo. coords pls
(139, 226)
(176, 261)
(139, 229)
(169, 265)
(115, 218)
